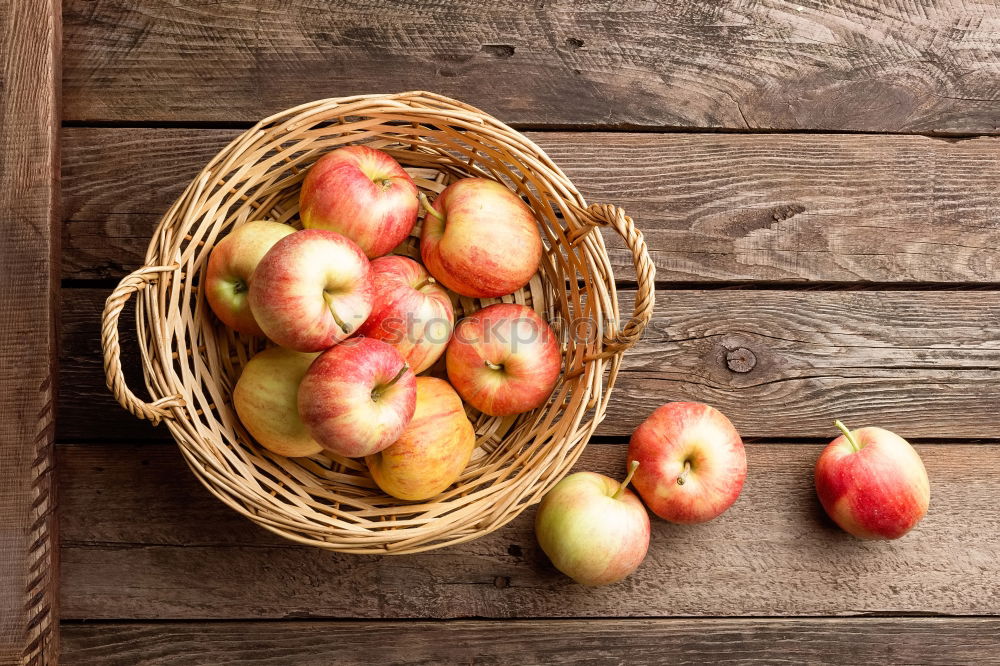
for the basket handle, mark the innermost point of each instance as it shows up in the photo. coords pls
(132, 283)
(606, 215)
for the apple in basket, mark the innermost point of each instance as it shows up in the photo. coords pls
(434, 448)
(593, 529)
(691, 462)
(266, 400)
(358, 397)
(411, 311)
(232, 262)
(311, 290)
(479, 239)
(504, 359)
(872, 483)
(363, 194)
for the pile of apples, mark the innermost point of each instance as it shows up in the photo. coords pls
(688, 464)
(353, 326)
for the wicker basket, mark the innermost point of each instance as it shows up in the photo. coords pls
(191, 362)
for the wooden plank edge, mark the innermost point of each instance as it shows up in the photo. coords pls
(29, 270)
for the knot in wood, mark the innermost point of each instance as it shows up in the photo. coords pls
(740, 359)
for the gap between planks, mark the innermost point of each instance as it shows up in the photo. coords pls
(543, 127)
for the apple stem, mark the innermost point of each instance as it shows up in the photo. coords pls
(379, 390)
(682, 478)
(628, 479)
(340, 322)
(399, 374)
(426, 282)
(847, 433)
(429, 208)
(493, 366)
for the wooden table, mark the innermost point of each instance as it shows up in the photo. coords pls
(818, 183)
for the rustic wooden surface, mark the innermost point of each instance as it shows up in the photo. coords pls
(923, 363)
(849, 242)
(889, 66)
(581, 642)
(29, 268)
(715, 208)
(142, 540)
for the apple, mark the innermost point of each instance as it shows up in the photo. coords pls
(266, 400)
(411, 311)
(358, 397)
(479, 239)
(872, 483)
(594, 529)
(691, 462)
(504, 359)
(434, 448)
(232, 262)
(363, 194)
(311, 290)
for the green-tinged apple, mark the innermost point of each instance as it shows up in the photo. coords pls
(434, 448)
(594, 529)
(691, 462)
(266, 400)
(312, 290)
(363, 194)
(358, 397)
(411, 311)
(504, 359)
(872, 483)
(479, 239)
(232, 262)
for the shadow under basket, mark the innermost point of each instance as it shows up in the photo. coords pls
(191, 362)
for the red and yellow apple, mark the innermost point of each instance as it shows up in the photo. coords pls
(232, 262)
(479, 239)
(363, 194)
(266, 400)
(872, 483)
(691, 462)
(358, 397)
(411, 311)
(593, 529)
(311, 290)
(434, 448)
(504, 359)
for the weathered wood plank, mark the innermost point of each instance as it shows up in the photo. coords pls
(720, 207)
(29, 217)
(875, 641)
(141, 540)
(844, 65)
(923, 363)
(85, 408)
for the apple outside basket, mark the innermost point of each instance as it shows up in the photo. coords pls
(191, 361)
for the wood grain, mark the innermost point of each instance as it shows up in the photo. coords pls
(844, 65)
(29, 217)
(142, 540)
(922, 363)
(714, 208)
(874, 641)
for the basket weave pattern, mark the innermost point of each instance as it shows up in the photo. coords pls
(191, 362)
